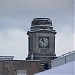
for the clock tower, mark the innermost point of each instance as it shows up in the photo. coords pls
(41, 40)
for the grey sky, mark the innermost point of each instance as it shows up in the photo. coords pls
(15, 21)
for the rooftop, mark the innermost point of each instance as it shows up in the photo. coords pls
(6, 58)
(41, 21)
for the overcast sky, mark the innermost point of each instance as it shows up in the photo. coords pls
(15, 21)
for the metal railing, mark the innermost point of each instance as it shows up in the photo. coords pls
(63, 59)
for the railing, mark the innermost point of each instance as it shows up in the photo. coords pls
(63, 59)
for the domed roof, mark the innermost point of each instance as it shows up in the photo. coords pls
(41, 21)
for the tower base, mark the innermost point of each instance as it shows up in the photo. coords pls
(46, 60)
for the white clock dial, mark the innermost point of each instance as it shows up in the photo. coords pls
(43, 42)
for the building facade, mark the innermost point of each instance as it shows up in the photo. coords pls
(41, 51)
(20, 67)
(41, 41)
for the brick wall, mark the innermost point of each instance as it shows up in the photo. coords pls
(10, 67)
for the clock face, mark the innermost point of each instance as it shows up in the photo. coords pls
(43, 42)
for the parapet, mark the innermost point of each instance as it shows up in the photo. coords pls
(6, 58)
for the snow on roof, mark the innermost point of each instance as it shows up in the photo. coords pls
(66, 69)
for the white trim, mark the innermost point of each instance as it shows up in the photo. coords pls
(6, 57)
(21, 72)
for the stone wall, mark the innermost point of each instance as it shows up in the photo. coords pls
(10, 67)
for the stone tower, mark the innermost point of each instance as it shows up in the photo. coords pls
(41, 38)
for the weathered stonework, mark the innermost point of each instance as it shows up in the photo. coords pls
(39, 58)
(41, 27)
(10, 67)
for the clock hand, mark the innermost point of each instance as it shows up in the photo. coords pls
(43, 40)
